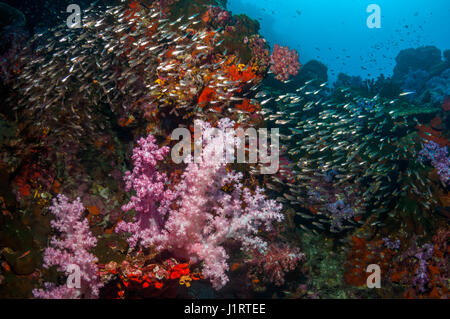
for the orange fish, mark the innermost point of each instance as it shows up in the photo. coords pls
(125, 121)
(234, 266)
(24, 254)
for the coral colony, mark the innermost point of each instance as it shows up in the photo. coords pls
(205, 217)
(135, 162)
(284, 62)
(71, 248)
(439, 158)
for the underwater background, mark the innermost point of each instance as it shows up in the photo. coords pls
(94, 205)
(335, 32)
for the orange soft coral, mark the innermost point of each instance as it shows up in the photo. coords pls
(362, 254)
(206, 96)
(430, 134)
(240, 73)
(247, 106)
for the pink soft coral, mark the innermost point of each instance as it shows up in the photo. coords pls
(71, 248)
(152, 198)
(284, 62)
(206, 217)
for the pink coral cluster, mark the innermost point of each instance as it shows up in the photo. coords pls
(206, 217)
(284, 62)
(152, 198)
(260, 52)
(71, 249)
(219, 15)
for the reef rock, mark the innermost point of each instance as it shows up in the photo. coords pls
(313, 70)
(423, 58)
(11, 17)
(439, 87)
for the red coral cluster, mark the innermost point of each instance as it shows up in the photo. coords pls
(363, 254)
(32, 179)
(431, 134)
(207, 95)
(135, 276)
(241, 74)
(247, 106)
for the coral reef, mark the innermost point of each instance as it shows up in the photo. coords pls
(363, 166)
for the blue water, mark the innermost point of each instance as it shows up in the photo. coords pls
(336, 32)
